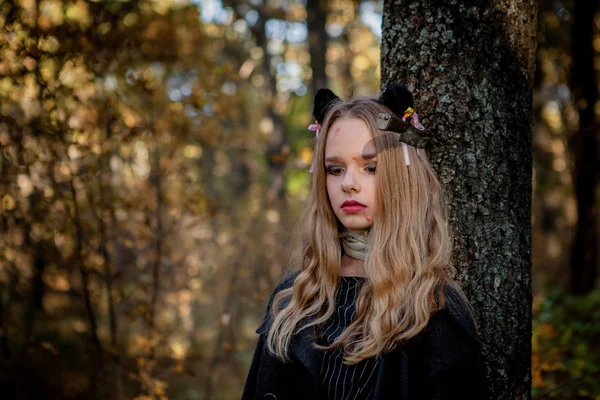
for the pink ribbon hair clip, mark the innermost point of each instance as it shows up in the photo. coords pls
(414, 121)
(414, 118)
(316, 128)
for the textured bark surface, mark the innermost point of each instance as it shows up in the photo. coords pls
(470, 67)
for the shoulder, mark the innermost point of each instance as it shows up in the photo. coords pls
(450, 337)
(287, 281)
(284, 283)
(455, 318)
(457, 311)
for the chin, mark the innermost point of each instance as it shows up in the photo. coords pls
(356, 225)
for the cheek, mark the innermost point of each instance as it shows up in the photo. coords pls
(373, 191)
(371, 183)
(329, 187)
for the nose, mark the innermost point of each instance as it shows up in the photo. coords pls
(350, 181)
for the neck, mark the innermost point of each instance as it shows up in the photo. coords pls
(355, 243)
(352, 266)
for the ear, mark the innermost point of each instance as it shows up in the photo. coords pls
(397, 98)
(324, 99)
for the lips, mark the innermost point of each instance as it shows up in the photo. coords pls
(352, 203)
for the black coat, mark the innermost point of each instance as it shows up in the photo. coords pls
(443, 362)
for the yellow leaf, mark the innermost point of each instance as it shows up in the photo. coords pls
(50, 347)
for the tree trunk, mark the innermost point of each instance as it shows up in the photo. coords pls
(316, 18)
(345, 74)
(470, 66)
(159, 233)
(278, 147)
(106, 203)
(84, 272)
(584, 254)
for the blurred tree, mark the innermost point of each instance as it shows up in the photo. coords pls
(555, 122)
(316, 18)
(104, 113)
(470, 66)
(346, 40)
(584, 84)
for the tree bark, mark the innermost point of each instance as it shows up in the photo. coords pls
(584, 254)
(470, 66)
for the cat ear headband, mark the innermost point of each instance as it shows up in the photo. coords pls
(324, 100)
(404, 121)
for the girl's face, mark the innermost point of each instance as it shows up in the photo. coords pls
(350, 165)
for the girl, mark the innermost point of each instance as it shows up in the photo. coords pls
(371, 311)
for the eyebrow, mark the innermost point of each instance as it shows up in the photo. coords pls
(365, 157)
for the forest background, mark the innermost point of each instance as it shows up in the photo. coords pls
(153, 159)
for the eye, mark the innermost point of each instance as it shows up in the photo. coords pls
(372, 168)
(333, 170)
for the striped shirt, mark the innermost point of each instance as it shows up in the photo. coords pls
(340, 381)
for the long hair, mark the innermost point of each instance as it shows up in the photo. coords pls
(408, 265)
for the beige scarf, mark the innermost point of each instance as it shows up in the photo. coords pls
(355, 242)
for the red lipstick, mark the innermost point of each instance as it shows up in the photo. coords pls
(352, 206)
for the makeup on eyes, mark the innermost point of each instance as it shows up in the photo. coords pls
(365, 157)
(337, 161)
(333, 169)
(366, 163)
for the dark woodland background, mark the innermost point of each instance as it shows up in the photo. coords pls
(153, 159)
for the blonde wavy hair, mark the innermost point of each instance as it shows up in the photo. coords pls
(408, 266)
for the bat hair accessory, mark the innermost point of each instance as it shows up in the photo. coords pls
(403, 120)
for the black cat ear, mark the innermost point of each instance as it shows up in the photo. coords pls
(324, 99)
(403, 120)
(397, 98)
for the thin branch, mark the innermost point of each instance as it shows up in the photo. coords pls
(158, 243)
(83, 271)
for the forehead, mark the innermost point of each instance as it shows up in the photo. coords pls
(349, 137)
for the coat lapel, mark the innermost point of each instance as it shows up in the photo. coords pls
(392, 376)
